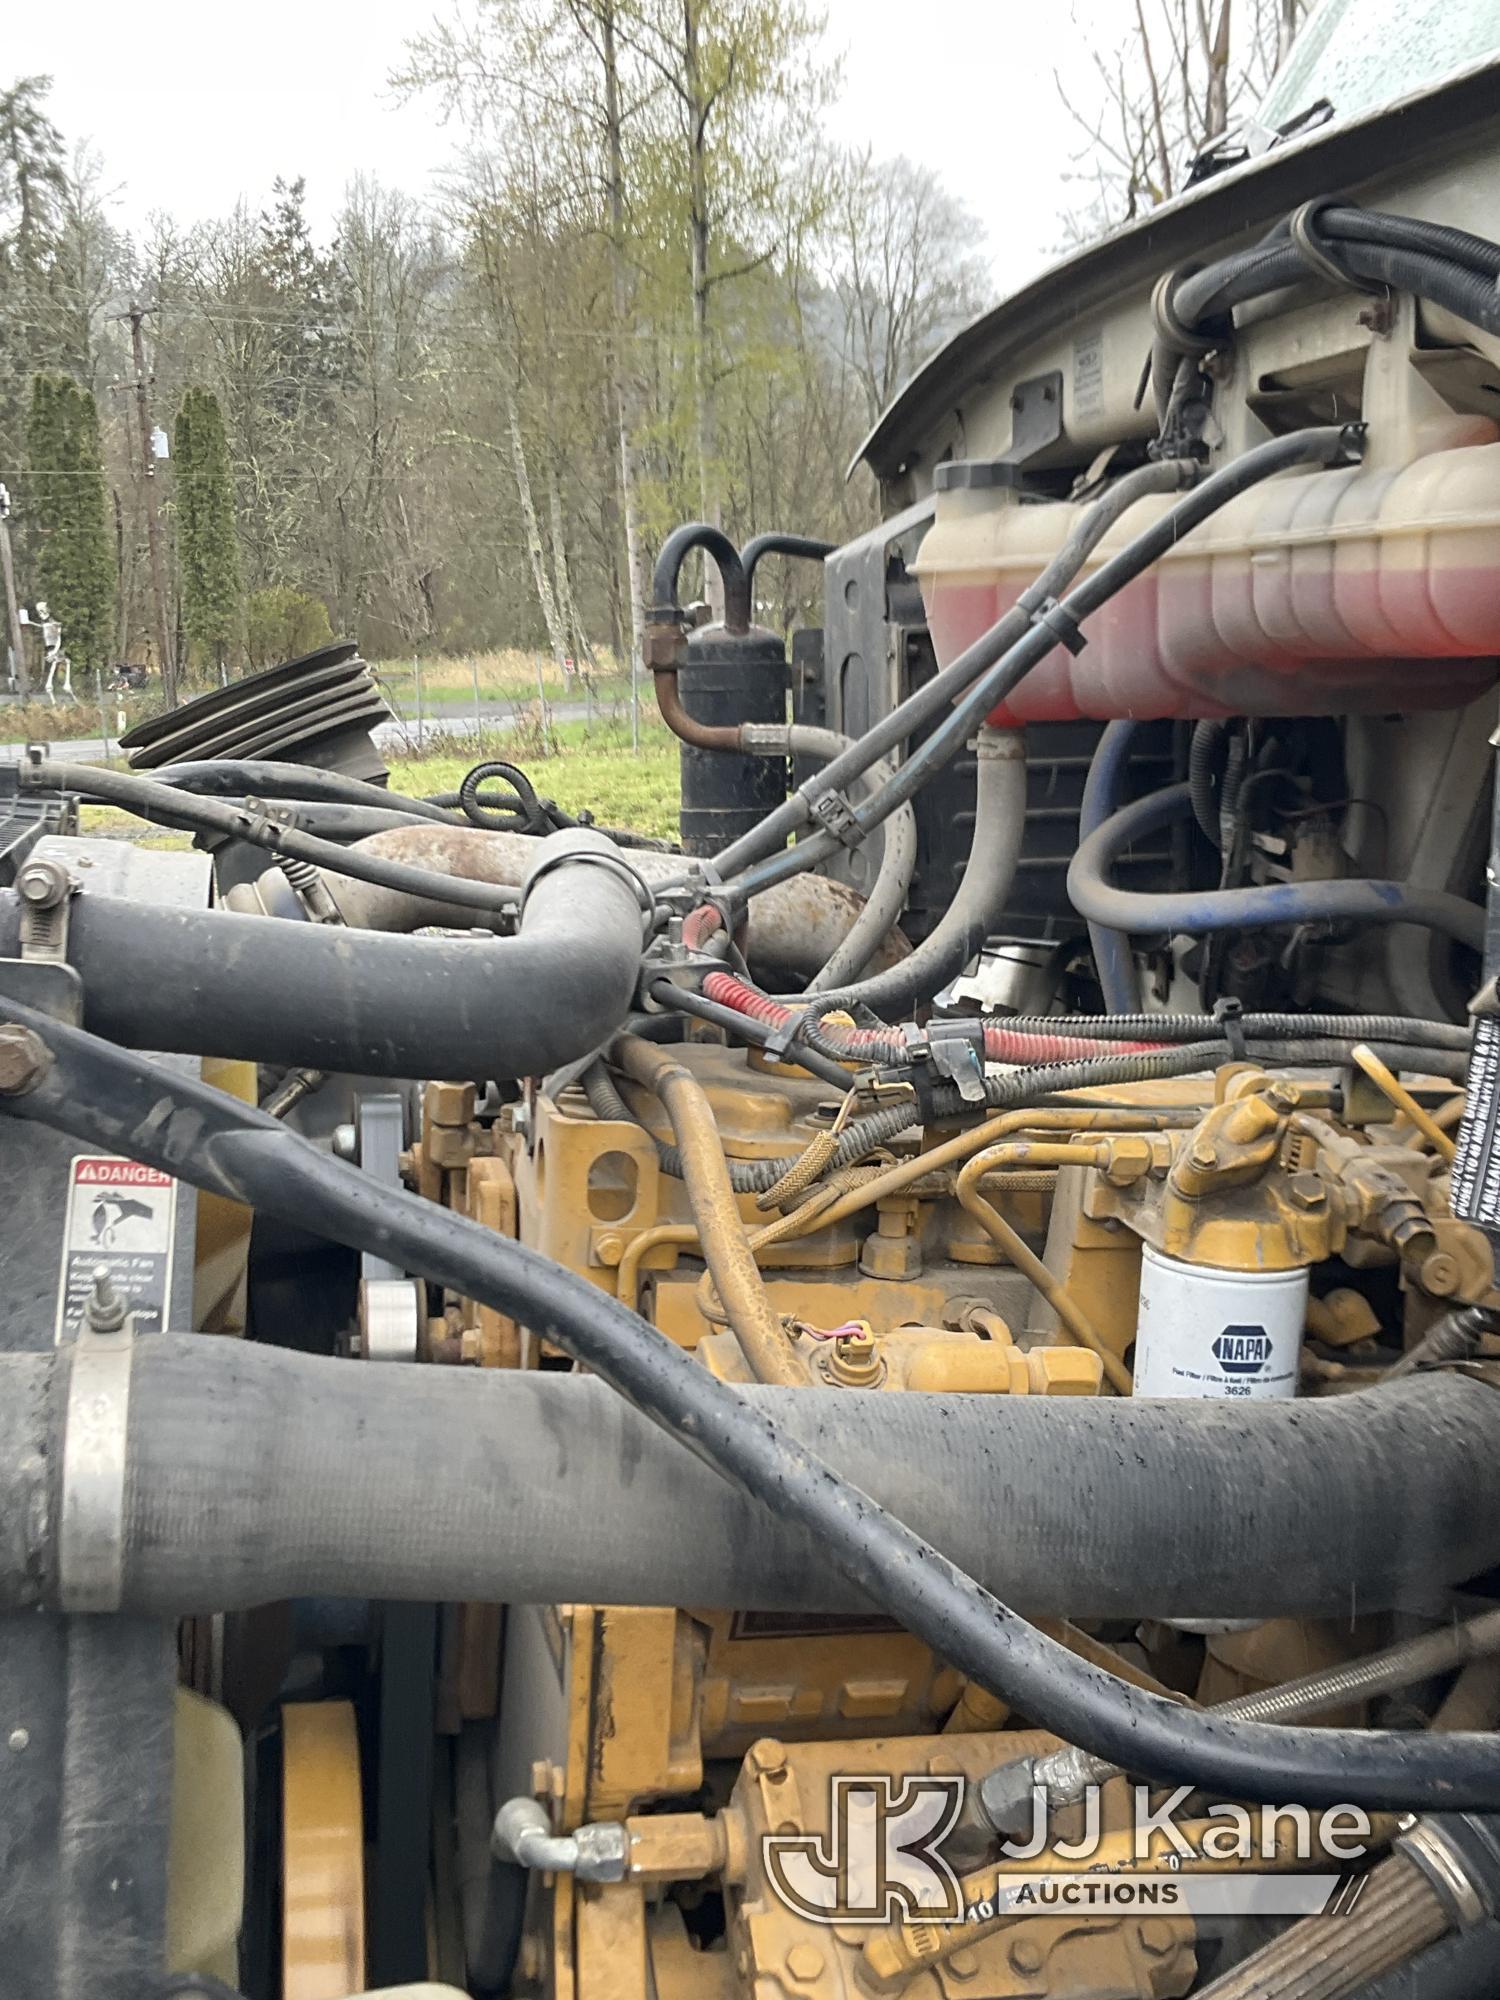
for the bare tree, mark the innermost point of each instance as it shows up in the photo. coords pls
(1153, 101)
(908, 269)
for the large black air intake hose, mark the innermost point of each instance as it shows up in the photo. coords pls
(258, 1473)
(207, 982)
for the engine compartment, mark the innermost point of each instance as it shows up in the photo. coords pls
(898, 1400)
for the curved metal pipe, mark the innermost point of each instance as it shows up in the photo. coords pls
(705, 1173)
(716, 545)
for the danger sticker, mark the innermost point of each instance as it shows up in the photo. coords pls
(121, 1217)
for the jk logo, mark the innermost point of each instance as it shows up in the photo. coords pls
(881, 1861)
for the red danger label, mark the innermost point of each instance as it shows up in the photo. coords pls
(117, 1173)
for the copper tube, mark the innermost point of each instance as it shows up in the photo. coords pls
(1395, 1091)
(1014, 1246)
(701, 735)
(705, 1173)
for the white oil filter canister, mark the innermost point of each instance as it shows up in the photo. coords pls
(1209, 1333)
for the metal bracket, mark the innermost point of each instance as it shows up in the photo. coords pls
(390, 1302)
(1036, 424)
(46, 889)
(835, 815)
(91, 1525)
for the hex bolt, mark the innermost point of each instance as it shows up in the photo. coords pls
(963, 1963)
(1026, 1955)
(804, 1962)
(1156, 1936)
(1441, 1275)
(24, 1060)
(44, 884)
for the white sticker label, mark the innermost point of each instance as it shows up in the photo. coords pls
(122, 1216)
(1088, 372)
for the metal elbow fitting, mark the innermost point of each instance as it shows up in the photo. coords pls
(593, 1853)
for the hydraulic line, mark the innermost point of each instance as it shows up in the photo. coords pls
(705, 1174)
(1202, 912)
(1014, 1246)
(1326, 446)
(931, 699)
(1066, 1774)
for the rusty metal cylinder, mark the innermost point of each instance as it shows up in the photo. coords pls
(726, 679)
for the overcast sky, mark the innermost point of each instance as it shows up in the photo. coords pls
(192, 111)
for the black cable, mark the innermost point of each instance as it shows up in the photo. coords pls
(124, 1104)
(264, 778)
(744, 1028)
(166, 807)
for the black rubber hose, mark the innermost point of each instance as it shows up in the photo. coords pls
(933, 697)
(105, 1097)
(807, 547)
(525, 816)
(261, 778)
(163, 806)
(1199, 912)
(1458, 1967)
(722, 553)
(238, 1454)
(317, 996)
(1204, 773)
(1326, 445)
(746, 1029)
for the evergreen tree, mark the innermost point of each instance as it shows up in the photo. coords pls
(75, 562)
(208, 549)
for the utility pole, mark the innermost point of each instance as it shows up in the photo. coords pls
(12, 610)
(136, 316)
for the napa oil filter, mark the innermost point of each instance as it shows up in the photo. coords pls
(1208, 1333)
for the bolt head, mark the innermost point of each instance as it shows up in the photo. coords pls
(24, 1059)
(1156, 1937)
(1026, 1955)
(1307, 1191)
(963, 1963)
(804, 1961)
(18, 1740)
(1441, 1275)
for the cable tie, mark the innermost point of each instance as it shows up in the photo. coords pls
(835, 815)
(1229, 1013)
(1056, 618)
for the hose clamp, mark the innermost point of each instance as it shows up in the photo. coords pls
(91, 1521)
(1172, 331)
(1313, 246)
(1442, 1862)
(644, 894)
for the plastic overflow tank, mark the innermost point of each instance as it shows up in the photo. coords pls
(1362, 589)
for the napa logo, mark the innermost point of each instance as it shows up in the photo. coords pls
(1243, 1350)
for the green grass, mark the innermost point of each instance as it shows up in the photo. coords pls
(594, 770)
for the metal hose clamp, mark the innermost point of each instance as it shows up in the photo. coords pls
(91, 1524)
(645, 895)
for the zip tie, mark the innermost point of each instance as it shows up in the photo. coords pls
(1055, 618)
(1229, 1012)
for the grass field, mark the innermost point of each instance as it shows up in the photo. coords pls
(592, 769)
(487, 680)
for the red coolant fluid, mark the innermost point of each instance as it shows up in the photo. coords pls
(1318, 593)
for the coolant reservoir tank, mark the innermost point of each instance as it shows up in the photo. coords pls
(1363, 589)
(1216, 1335)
